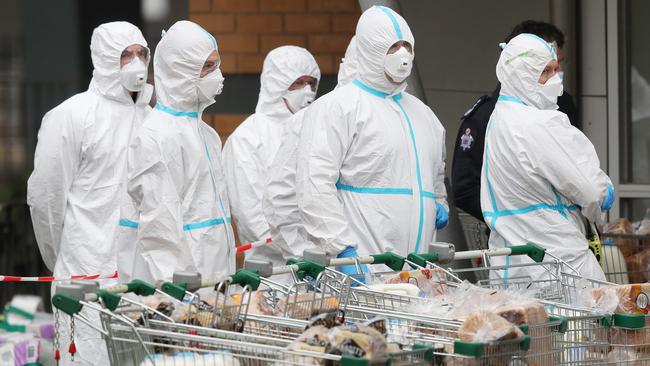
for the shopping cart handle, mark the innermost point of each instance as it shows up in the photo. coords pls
(306, 268)
(421, 259)
(110, 300)
(141, 288)
(245, 277)
(533, 251)
(67, 304)
(175, 290)
(392, 260)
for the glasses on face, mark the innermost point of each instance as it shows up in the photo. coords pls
(209, 66)
(399, 44)
(129, 55)
(301, 83)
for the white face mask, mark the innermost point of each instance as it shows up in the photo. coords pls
(133, 75)
(299, 98)
(550, 91)
(210, 86)
(398, 65)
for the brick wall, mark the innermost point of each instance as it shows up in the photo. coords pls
(246, 30)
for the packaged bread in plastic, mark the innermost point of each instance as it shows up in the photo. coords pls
(632, 298)
(314, 339)
(638, 266)
(306, 305)
(623, 226)
(530, 313)
(357, 340)
(486, 326)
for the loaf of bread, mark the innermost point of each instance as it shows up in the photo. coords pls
(632, 298)
(306, 305)
(486, 326)
(433, 282)
(260, 304)
(531, 313)
(638, 266)
(357, 340)
(623, 226)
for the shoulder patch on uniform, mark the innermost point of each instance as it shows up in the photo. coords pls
(466, 139)
(478, 103)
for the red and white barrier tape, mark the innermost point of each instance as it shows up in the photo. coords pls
(255, 244)
(7, 278)
(54, 279)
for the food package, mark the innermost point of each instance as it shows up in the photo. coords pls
(357, 340)
(623, 226)
(632, 298)
(433, 282)
(486, 326)
(314, 339)
(531, 313)
(259, 304)
(468, 298)
(638, 266)
(221, 358)
(306, 305)
(19, 349)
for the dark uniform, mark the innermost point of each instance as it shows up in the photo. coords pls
(468, 152)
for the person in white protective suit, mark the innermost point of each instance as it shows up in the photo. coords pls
(371, 156)
(280, 204)
(289, 81)
(80, 168)
(541, 176)
(175, 216)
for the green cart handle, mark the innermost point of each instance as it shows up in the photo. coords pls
(422, 259)
(533, 251)
(242, 277)
(390, 259)
(306, 268)
(67, 304)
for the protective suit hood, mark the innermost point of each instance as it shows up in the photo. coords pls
(179, 57)
(106, 46)
(282, 66)
(349, 65)
(378, 29)
(520, 65)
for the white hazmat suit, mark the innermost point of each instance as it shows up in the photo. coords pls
(175, 216)
(540, 175)
(371, 156)
(280, 204)
(249, 151)
(79, 172)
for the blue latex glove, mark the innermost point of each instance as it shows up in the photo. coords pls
(351, 252)
(442, 216)
(609, 198)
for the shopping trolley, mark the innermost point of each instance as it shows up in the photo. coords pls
(154, 338)
(360, 303)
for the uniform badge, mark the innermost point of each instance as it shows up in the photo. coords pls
(466, 140)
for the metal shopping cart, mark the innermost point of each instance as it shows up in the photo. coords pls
(361, 302)
(137, 334)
